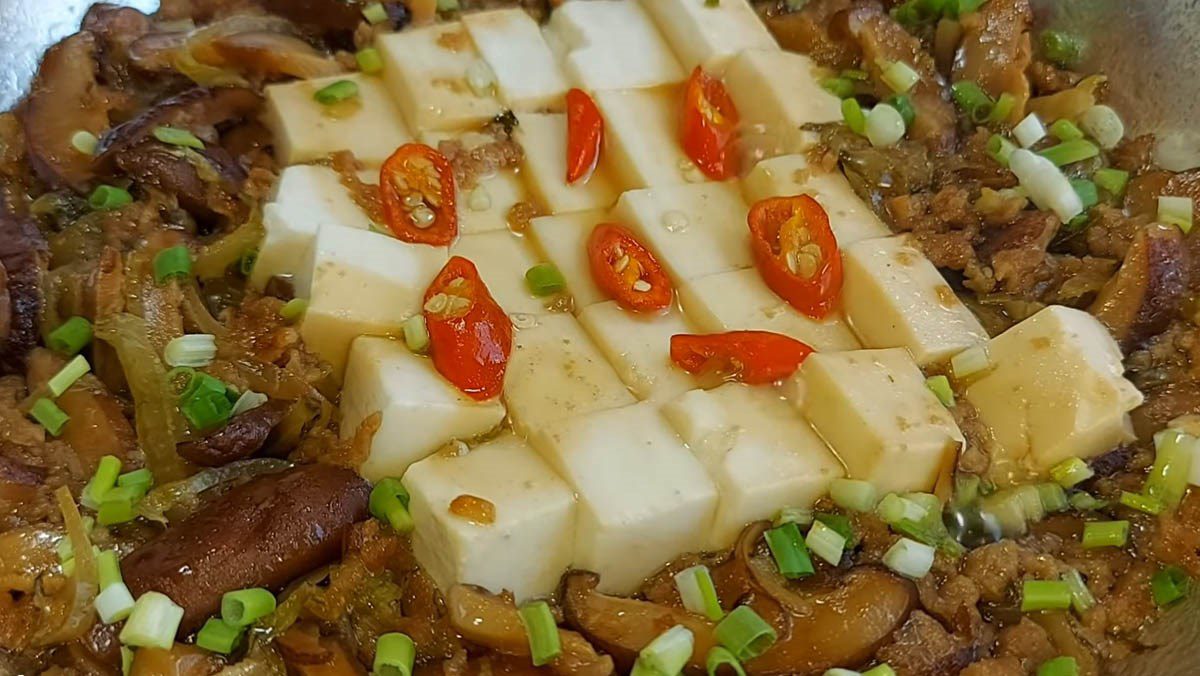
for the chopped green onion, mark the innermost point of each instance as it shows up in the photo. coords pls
(246, 606)
(108, 469)
(115, 511)
(903, 105)
(1000, 149)
(1105, 534)
(126, 661)
(698, 593)
(885, 126)
(720, 657)
(337, 92)
(195, 350)
(893, 509)
(801, 516)
(544, 279)
(1059, 666)
(85, 142)
(1031, 502)
(854, 116)
(394, 655)
(1168, 478)
(49, 415)
(1061, 48)
(1045, 595)
(109, 567)
(1045, 183)
(1029, 130)
(453, 6)
(172, 262)
(369, 60)
(68, 375)
(1176, 211)
(840, 525)
(108, 197)
(853, 494)
(375, 13)
(825, 542)
(1089, 196)
(972, 100)
(970, 362)
(248, 401)
(1003, 108)
(841, 87)
(1103, 124)
(205, 408)
(114, 603)
(544, 643)
(855, 74)
(787, 548)
(294, 309)
(928, 501)
(416, 334)
(1071, 472)
(1112, 181)
(1081, 597)
(1169, 585)
(899, 76)
(745, 634)
(140, 478)
(909, 558)
(1070, 152)
(838, 671)
(940, 386)
(178, 137)
(1065, 130)
(389, 502)
(884, 669)
(667, 654)
(219, 636)
(247, 261)
(70, 337)
(1084, 502)
(153, 622)
(1053, 497)
(1142, 503)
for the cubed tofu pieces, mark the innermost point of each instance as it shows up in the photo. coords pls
(642, 138)
(762, 455)
(306, 197)
(421, 411)
(428, 71)
(544, 137)
(1055, 389)
(873, 408)
(562, 240)
(555, 372)
(511, 43)
(528, 546)
(777, 92)
(611, 44)
(639, 347)
(894, 297)
(362, 283)
(643, 498)
(486, 206)
(368, 125)
(787, 175)
(694, 230)
(502, 259)
(739, 300)
(708, 35)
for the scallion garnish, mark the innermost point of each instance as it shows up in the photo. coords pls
(67, 376)
(1000, 149)
(745, 634)
(141, 479)
(339, 91)
(219, 636)
(369, 60)
(721, 657)
(1045, 183)
(1111, 181)
(1176, 211)
(375, 13)
(854, 116)
(1105, 534)
(114, 603)
(1059, 666)
(1065, 130)
(389, 502)
(969, 362)
(899, 76)
(246, 606)
(909, 558)
(178, 137)
(972, 101)
(294, 309)
(153, 623)
(698, 593)
(1081, 597)
(205, 402)
(1089, 196)
(194, 350)
(1168, 478)
(841, 87)
(1053, 497)
(1061, 48)
(1029, 130)
(853, 494)
(1070, 152)
(394, 655)
(542, 631)
(172, 262)
(544, 279)
(885, 126)
(1071, 472)
(667, 654)
(893, 509)
(1103, 124)
(801, 516)
(1003, 108)
(787, 548)
(115, 511)
(1045, 595)
(109, 197)
(1084, 502)
(884, 669)
(1169, 585)
(49, 415)
(108, 469)
(1142, 503)
(940, 386)
(85, 142)
(70, 337)
(903, 105)
(825, 542)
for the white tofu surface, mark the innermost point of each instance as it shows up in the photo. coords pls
(739, 300)
(708, 36)
(499, 191)
(643, 497)
(502, 259)
(529, 545)
(639, 348)
(526, 71)
(1056, 389)
(562, 240)
(611, 44)
(544, 137)
(421, 411)
(873, 409)
(778, 92)
(363, 283)
(369, 125)
(760, 452)
(642, 138)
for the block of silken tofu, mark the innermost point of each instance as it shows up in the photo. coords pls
(759, 451)
(1055, 389)
(894, 297)
(544, 137)
(639, 348)
(709, 34)
(849, 217)
(526, 71)
(430, 71)
(528, 545)
(696, 229)
(362, 283)
(735, 301)
(502, 259)
(611, 44)
(873, 409)
(368, 125)
(555, 372)
(562, 240)
(643, 498)
(485, 206)
(642, 138)
(420, 410)
(306, 197)
(776, 92)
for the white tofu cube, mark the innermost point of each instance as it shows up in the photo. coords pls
(709, 35)
(528, 546)
(762, 455)
(611, 44)
(502, 259)
(511, 42)
(497, 193)
(363, 283)
(736, 301)
(421, 411)
(555, 372)
(639, 347)
(894, 297)
(873, 408)
(306, 197)
(777, 92)
(562, 240)
(642, 138)
(643, 498)
(1056, 389)
(426, 70)
(787, 175)
(694, 230)
(368, 125)
(544, 137)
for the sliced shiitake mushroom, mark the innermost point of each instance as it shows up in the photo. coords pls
(1145, 294)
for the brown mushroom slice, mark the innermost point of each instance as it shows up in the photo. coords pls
(23, 254)
(1164, 404)
(243, 436)
(996, 50)
(816, 30)
(267, 54)
(1144, 296)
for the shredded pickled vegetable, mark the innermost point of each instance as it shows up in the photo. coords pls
(216, 258)
(82, 589)
(178, 499)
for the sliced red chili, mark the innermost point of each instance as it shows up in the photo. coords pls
(470, 335)
(627, 271)
(797, 253)
(752, 357)
(417, 187)
(585, 133)
(710, 121)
